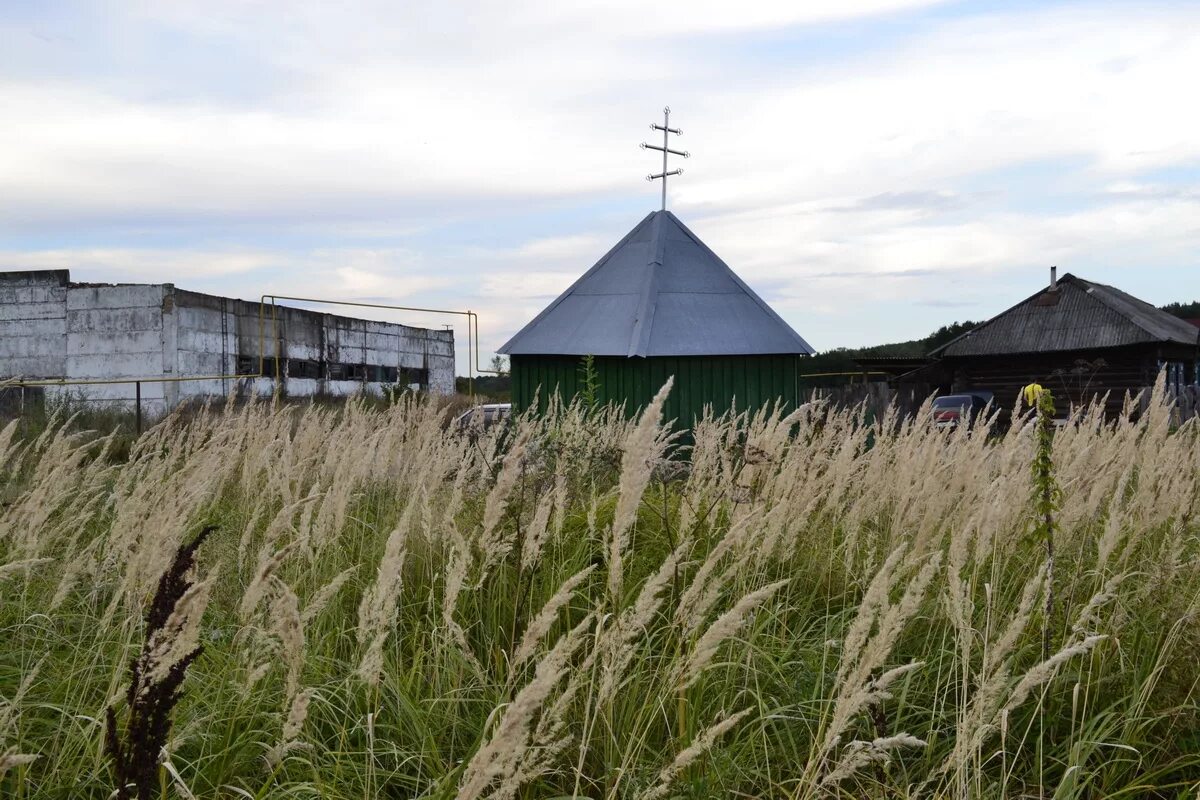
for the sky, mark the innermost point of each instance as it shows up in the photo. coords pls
(872, 169)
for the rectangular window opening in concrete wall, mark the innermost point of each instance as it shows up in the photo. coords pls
(303, 368)
(335, 371)
(411, 377)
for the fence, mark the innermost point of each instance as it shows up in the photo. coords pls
(907, 398)
(1187, 401)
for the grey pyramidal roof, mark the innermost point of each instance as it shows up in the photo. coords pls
(1083, 316)
(659, 292)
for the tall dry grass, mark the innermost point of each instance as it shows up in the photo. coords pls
(801, 603)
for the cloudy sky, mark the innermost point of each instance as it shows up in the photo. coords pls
(874, 168)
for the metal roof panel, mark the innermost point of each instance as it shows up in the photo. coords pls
(1085, 316)
(659, 292)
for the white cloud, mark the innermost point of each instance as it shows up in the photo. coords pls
(375, 124)
(139, 264)
(501, 116)
(526, 285)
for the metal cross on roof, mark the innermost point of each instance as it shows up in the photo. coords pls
(666, 129)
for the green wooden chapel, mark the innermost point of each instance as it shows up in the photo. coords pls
(659, 304)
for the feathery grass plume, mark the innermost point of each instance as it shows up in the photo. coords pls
(957, 593)
(462, 471)
(1126, 544)
(377, 608)
(292, 726)
(1087, 616)
(8, 448)
(544, 621)
(703, 743)
(322, 598)
(248, 531)
(9, 712)
(860, 754)
(180, 481)
(494, 541)
(157, 674)
(255, 675)
(54, 482)
(550, 736)
(617, 643)
(856, 690)
(864, 619)
(457, 570)
(1114, 532)
(508, 746)
(24, 565)
(179, 636)
(269, 560)
(297, 714)
(1044, 671)
(1003, 646)
(725, 626)
(978, 718)
(704, 590)
(644, 446)
(11, 759)
(535, 537)
(288, 626)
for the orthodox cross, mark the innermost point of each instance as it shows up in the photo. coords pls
(667, 130)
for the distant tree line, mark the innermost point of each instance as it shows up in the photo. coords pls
(841, 359)
(495, 386)
(1183, 310)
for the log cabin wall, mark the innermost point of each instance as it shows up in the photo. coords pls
(1075, 376)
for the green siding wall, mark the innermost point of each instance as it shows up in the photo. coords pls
(719, 381)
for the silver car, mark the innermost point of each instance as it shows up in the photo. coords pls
(485, 415)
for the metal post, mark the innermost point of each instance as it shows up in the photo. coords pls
(138, 404)
(666, 127)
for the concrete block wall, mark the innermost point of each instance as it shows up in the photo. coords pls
(205, 344)
(33, 324)
(297, 333)
(51, 328)
(118, 332)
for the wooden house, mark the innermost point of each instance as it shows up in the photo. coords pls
(1078, 338)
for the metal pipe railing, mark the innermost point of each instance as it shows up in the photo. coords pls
(473, 365)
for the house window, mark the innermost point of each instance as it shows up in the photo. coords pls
(337, 372)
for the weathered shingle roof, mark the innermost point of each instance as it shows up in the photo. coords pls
(659, 292)
(1085, 316)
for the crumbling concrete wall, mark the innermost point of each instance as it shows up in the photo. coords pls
(53, 329)
(33, 324)
(118, 332)
(324, 344)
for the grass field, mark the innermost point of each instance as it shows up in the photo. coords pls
(792, 607)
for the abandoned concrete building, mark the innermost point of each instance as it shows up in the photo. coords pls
(53, 329)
